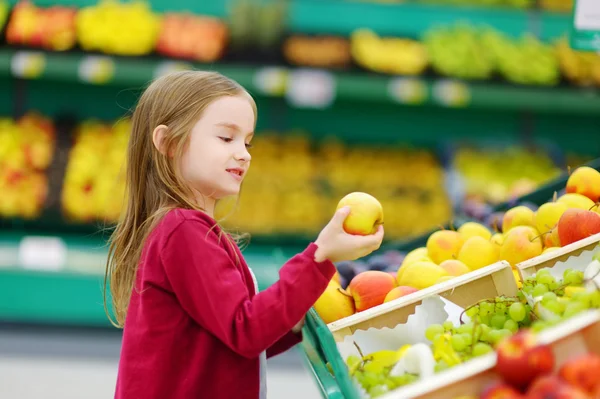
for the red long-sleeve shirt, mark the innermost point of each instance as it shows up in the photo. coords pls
(195, 326)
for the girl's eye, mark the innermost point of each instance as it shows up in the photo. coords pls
(248, 145)
(226, 139)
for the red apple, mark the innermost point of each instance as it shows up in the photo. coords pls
(586, 181)
(370, 288)
(521, 359)
(500, 390)
(577, 224)
(552, 387)
(582, 372)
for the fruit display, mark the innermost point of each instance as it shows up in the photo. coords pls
(94, 184)
(458, 51)
(4, 10)
(494, 174)
(580, 67)
(293, 186)
(257, 24)
(26, 151)
(118, 28)
(321, 51)
(51, 28)
(394, 56)
(193, 37)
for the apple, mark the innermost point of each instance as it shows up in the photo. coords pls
(443, 245)
(551, 238)
(454, 267)
(582, 372)
(517, 216)
(521, 243)
(478, 252)
(500, 390)
(370, 288)
(574, 200)
(471, 229)
(552, 387)
(416, 255)
(577, 224)
(366, 213)
(520, 359)
(398, 292)
(585, 181)
(334, 303)
(548, 215)
(420, 274)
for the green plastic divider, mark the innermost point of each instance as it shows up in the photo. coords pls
(326, 344)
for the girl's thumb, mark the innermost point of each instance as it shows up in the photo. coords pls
(341, 214)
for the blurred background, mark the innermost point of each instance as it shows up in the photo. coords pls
(442, 109)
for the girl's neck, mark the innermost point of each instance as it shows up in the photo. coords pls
(207, 204)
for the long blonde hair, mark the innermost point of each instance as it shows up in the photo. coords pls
(153, 183)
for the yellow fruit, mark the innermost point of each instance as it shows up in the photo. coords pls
(421, 274)
(455, 267)
(444, 278)
(550, 249)
(416, 255)
(578, 201)
(517, 278)
(517, 216)
(520, 244)
(471, 229)
(334, 303)
(478, 252)
(443, 245)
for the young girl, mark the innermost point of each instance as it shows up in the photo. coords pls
(194, 324)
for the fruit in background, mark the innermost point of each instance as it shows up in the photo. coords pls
(454, 267)
(334, 304)
(517, 216)
(497, 239)
(398, 292)
(416, 255)
(471, 229)
(585, 181)
(574, 200)
(193, 37)
(520, 244)
(51, 28)
(577, 66)
(500, 390)
(577, 224)
(388, 55)
(548, 215)
(420, 275)
(457, 51)
(478, 252)
(550, 386)
(321, 51)
(370, 288)
(118, 28)
(366, 213)
(520, 359)
(443, 245)
(582, 372)
(4, 10)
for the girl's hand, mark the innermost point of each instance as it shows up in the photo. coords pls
(298, 327)
(335, 245)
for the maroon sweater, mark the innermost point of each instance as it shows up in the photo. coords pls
(195, 326)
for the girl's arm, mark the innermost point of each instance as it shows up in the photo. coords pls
(210, 288)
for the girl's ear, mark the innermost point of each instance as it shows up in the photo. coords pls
(158, 136)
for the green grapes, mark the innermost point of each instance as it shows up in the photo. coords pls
(517, 312)
(433, 330)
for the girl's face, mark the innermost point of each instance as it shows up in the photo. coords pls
(216, 159)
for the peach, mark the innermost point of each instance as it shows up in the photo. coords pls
(398, 292)
(370, 288)
(443, 245)
(454, 267)
(334, 303)
(366, 213)
(478, 252)
(520, 244)
(585, 181)
(577, 224)
(517, 216)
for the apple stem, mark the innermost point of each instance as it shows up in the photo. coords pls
(541, 235)
(569, 170)
(555, 196)
(452, 227)
(343, 292)
(596, 205)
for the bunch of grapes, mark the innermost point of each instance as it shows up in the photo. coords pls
(491, 321)
(372, 372)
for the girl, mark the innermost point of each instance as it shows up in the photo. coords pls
(194, 325)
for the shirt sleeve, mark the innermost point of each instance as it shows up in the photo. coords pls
(286, 342)
(211, 289)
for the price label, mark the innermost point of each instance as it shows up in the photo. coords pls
(28, 64)
(96, 69)
(311, 89)
(585, 28)
(42, 253)
(271, 81)
(452, 93)
(408, 90)
(167, 67)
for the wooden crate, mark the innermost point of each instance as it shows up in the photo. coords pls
(530, 267)
(465, 290)
(578, 335)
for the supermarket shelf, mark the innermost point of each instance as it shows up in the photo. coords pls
(286, 82)
(39, 289)
(406, 19)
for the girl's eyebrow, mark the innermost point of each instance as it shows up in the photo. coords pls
(233, 126)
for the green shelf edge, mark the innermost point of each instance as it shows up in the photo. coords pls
(363, 87)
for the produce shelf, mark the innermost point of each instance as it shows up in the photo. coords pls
(284, 82)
